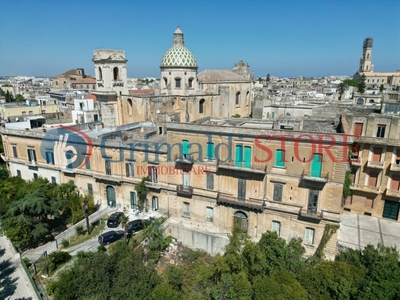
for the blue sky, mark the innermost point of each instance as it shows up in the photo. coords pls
(283, 38)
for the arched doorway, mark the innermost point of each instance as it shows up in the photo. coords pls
(241, 219)
(111, 196)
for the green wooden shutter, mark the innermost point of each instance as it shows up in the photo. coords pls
(133, 200)
(316, 165)
(247, 157)
(280, 158)
(238, 155)
(210, 150)
(185, 147)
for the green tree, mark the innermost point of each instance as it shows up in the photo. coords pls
(124, 219)
(381, 268)
(268, 78)
(281, 256)
(362, 85)
(280, 286)
(19, 98)
(87, 203)
(141, 191)
(331, 280)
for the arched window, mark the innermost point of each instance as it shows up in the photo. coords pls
(237, 101)
(100, 74)
(165, 82)
(247, 98)
(177, 82)
(116, 73)
(201, 106)
(240, 219)
(190, 82)
(371, 101)
(360, 101)
(130, 107)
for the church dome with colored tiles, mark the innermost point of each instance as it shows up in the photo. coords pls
(178, 55)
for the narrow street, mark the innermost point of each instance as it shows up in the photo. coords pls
(15, 283)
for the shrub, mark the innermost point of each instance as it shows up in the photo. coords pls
(80, 230)
(101, 248)
(65, 243)
(59, 257)
(51, 287)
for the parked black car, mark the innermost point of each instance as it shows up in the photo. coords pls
(110, 236)
(135, 226)
(113, 221)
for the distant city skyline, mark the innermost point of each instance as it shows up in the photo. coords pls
(284, 39)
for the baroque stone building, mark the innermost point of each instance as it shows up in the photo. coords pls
(366, 68)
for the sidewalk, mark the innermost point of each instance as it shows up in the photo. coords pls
(357, 231)
(14, 280)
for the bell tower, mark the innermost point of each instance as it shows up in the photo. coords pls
(366, 57)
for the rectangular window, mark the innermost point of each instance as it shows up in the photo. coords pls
(154, 203)
(53, 179)
(186, 209)
(35, 176)
(372, 179)
(177, 82)
(108, 167)
(14, 150)
(210, 214)
(69, 155)
(133, 200)
(210, 181)
(31, 155)
(50, 157)
(397, 156)
(309, 236)
(276, 227)
(278, 188)
(87, 164)
(241, 188)
(90, 189)
(210, 150)
(280, 158)
(152, 171)
(377, 154)
(369, 202)
(381, 131)
(129, 169)
(18, 173)
(358, 127)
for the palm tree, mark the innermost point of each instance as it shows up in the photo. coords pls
(342, 87)
(85, 208)
(124, 219)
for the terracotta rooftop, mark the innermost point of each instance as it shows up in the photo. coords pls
(219, 76)
(91, 96)
(146, 91)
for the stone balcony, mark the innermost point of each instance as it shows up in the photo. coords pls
(310, 214)
(356, 162)
(392, 193)
(365, 188)
(185, 191)
(308, 176)
(395, 167)
(375, 164)
(257, 169)
(152, 185)
(235, 202)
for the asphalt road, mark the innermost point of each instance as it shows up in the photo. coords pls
(15, 282)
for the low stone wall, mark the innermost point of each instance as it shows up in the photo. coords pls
(92, 218)
(208, 242)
